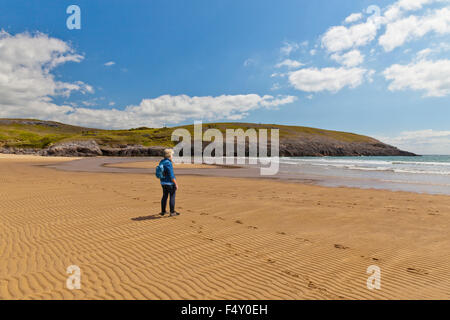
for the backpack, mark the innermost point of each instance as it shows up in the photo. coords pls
(160, 171)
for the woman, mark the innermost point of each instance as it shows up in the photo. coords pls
(168, 183)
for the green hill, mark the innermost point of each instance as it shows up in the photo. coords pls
(30, 133)
(294, 141)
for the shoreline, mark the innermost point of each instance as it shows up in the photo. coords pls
(131, 165)
(286, 173)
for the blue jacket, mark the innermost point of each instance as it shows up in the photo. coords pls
(169, 175)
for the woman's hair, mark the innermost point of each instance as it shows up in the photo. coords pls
(168, 153)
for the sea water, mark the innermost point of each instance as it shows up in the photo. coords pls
(424, 174)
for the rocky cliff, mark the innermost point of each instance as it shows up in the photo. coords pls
(287, 149)
(28, 136)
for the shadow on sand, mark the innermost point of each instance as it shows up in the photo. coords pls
(152, 217)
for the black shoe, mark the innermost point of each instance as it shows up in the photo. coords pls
(163, 213)
(173, 214)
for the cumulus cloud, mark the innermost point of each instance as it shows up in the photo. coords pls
(289, 47)
(353, 17)
(433, 77)
(400, 27)
(397, 9)
(350, 59)
(390, 27)
(27, 90)
(169, 109)
(340, 38)
(421, 141)
(109, 64)
(291, 64)
(27, 86)
(413, 27)
(327, 79)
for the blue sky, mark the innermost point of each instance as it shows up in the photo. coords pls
(383, 73)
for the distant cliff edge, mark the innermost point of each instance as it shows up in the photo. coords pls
(48, 138)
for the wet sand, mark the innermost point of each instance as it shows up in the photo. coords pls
(237, 238)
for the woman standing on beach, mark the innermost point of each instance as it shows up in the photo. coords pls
(168, 183)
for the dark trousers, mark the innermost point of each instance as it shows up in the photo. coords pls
(168, 190)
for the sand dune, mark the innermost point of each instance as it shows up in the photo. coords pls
(236, 238)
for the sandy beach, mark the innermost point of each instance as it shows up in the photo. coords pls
(237, 238)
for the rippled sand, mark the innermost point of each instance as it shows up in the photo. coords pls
(236, 238)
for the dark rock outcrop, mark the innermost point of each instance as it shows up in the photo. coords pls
(133, 151)
(288, 148)
(322, 147)
(318, 147)
(73, 149)
(12, 150)
(89, 149)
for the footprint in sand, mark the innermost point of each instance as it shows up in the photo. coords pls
(281, 232)
(371, 258)
(340, 246)
(417, 271)
(252, 227)
(375, 259)
(239, 222)
(292, 274)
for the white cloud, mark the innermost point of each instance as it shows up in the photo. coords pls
(27, 86)
(399, 27)
(353, 17)
(421, 142)
(109, 64)
(433, 77)
(413, 27)
(397, 9)
(89, 103)
(339, 38)
(289, 47)
(422, 54)
(327, 79)
(169, 109)
(291, 64)
(27, 90)
(275, 86)
(350, 59)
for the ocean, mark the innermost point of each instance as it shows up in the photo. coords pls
(423, 174)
